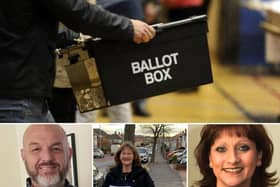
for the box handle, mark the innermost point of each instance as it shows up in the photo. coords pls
(161, 26)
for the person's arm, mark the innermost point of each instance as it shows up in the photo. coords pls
(81, 16)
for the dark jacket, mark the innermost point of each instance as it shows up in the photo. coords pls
(28, 30)
(139, 177)
(29, 184)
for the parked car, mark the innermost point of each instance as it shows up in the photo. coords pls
(183, 161)
(174, 153)
(98, 153)
(114, 148)
(98, 177)
(150, 150)
(181, 156)
(143, 153)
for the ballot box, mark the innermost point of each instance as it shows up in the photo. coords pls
(106, 73)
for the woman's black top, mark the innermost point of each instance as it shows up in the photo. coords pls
(138, 177)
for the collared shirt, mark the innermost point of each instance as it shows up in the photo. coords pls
(29, 184)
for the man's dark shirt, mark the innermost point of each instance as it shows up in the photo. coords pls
(29, 184)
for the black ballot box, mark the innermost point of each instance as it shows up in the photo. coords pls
(177, 58)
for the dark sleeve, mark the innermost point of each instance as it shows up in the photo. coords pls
(68, 33)
(66, 37)
(149, 180)
(107, 181)
(81, 16)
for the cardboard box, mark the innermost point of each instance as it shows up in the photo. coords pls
(272, 36)
(273, 17)
(272, 48)
(176, 58)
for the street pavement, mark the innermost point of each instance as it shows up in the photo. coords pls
(163, 175)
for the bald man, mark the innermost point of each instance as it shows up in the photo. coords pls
(46, 155)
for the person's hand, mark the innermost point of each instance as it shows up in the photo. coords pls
(142, 32)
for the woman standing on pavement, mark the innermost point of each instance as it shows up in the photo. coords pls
(128, 171)
(235, 156)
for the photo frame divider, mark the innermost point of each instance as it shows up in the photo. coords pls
(73, 162)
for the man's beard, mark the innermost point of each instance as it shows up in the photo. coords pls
(48, 181)
(52, 181)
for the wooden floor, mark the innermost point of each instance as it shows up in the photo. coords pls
(237, 95)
